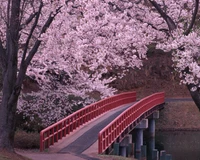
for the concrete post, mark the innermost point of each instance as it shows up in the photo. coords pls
(155, 154)
(162, 155)
(124, 145)
(116, 149)
(151, 130)
(168, 157)
(143, 152)
(151, 147)
(152, 127)
(123, 151)
(131, 149)
(139, 137)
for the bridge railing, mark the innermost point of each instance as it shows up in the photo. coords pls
(111, 132)
(57, 131)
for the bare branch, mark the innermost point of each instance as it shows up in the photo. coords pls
(38, 42)
(29, 19)
(169, 21)
(193, 18)
(2, 55)
(31, 31)
(26, 62)
(8, 12)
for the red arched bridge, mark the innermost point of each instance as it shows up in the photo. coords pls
(116, 129)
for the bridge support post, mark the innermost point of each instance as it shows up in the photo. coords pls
(151, 130)
(124, 146)
(139, 137)
(152, 127)
(155, 154)
(116, 149)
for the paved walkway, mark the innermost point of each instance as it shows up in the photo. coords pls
(81, 144)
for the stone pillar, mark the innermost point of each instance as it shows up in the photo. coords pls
(155, 154)
(152, 127)
(124, 146)
(116, 149)
(151, 130)
(139, 137)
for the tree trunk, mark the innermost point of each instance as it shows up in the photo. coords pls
(195, 95)
(7, 122)
(11, 90)
(8, 106)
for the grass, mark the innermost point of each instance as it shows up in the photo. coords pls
(179, 115)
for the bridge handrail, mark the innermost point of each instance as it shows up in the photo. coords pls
(112, 131)
(53, 133)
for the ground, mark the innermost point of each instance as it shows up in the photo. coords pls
(4, 155)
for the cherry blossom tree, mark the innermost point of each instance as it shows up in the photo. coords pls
(124, 29)
(118, 33)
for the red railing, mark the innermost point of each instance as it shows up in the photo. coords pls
(53, 133)
(111, 132)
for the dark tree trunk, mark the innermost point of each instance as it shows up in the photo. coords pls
(195, 95)
(10, 89)
(12, 80)
(7, 122)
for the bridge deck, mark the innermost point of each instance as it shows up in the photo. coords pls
(82, 141)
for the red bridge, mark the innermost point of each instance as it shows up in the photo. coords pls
(111, 132)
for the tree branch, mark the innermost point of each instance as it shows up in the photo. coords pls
(169, 21)
(193, 18)
(31, 31)
(31, 17)
(38, 42)
(26, 62)
(8, 12)
(2, 56)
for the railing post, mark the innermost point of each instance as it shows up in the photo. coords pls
(41, 141)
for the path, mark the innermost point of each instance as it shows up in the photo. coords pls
(81, 144)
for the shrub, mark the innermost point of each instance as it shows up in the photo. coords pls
(27, 140)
